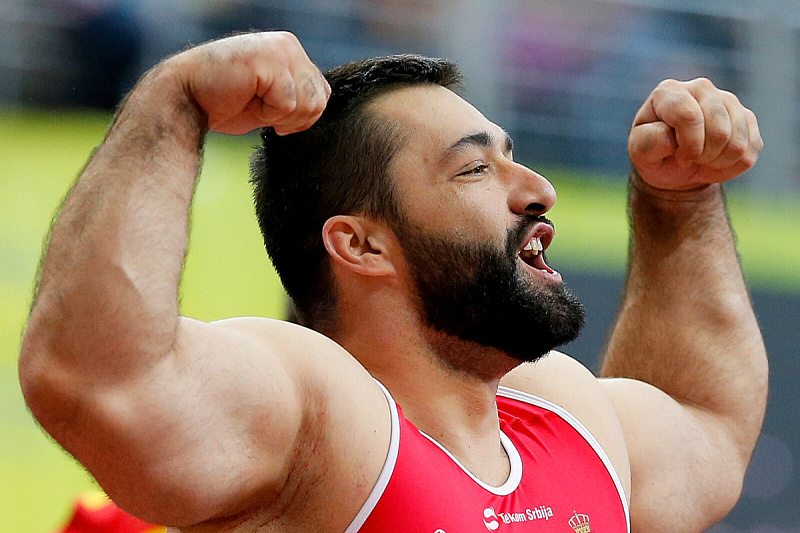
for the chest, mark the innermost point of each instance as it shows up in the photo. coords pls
(560, 482)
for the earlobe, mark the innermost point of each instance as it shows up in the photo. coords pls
(357, 244)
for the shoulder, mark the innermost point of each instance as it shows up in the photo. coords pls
(340, 460)
(565, 382)
(324, 371)
(310, 357)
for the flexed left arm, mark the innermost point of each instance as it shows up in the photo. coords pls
(686, 347)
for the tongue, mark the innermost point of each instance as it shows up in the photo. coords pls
(538, 262)
(535, 260)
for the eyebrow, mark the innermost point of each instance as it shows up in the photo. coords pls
(482, 139)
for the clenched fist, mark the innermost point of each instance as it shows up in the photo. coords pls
(253, 80)
(690, 134)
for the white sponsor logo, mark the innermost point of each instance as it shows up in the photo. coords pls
(491, 518)
(493, 524)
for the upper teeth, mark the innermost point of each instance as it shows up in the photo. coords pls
(534, 245)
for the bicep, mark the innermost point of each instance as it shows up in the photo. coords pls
(685, 470)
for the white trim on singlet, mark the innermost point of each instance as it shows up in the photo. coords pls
(386, 472)
(568, 417)
(514, 477)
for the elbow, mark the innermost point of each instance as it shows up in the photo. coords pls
(47, 384)
(723, 496)
(724, 488)
(32, 366)
(41, 388)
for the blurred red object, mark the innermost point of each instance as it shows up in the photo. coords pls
(95, 513)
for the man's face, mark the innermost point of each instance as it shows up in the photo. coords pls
(475, 233)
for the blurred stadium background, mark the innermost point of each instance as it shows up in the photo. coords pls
(563, 76)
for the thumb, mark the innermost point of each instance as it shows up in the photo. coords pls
(651, 143)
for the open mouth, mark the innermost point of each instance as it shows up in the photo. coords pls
(532, 252)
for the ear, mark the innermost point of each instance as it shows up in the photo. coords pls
(359, 244)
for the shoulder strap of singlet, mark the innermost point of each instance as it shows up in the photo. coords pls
(568, 417)
(388, 467)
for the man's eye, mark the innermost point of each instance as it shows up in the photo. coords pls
(475, 170)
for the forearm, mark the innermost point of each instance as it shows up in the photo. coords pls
(110, 274)
(685, 323)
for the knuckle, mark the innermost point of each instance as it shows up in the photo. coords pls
(659, 93)
(319, 108)
(289, 92)
(720, 132)
(288, 105)
(311, 104)
(288, 37)
(669, 83)
(688, 113)
(309, 91)
(285, 104)
(306, 108)
(730, 97)
(703, 83)
(751, 119)
(749, 159)
(664, 92)
(738, 148)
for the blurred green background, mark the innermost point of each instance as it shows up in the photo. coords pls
(565, 77)
(228, 274)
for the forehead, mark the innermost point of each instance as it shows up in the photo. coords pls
(431, 118)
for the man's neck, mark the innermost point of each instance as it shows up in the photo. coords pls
(455, 407)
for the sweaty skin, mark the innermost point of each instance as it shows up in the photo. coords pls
(247, 424)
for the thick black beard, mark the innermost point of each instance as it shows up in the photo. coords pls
(477, 293)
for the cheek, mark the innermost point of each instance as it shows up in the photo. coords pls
(428, 211)
(468, 212)
(486, 214)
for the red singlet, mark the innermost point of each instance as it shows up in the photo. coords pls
(561, 480)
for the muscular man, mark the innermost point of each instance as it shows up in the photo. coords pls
(413, 246)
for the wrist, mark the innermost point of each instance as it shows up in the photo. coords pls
(670, 215)
(638, 186)
(174, 75)
(160, 98)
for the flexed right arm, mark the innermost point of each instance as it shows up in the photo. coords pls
(105, 343)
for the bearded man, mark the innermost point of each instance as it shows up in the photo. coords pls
(422, 393)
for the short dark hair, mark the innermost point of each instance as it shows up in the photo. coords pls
(338, 166)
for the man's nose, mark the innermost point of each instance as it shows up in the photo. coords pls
(530, 193)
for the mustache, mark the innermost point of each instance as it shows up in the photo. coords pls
(519, 233)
